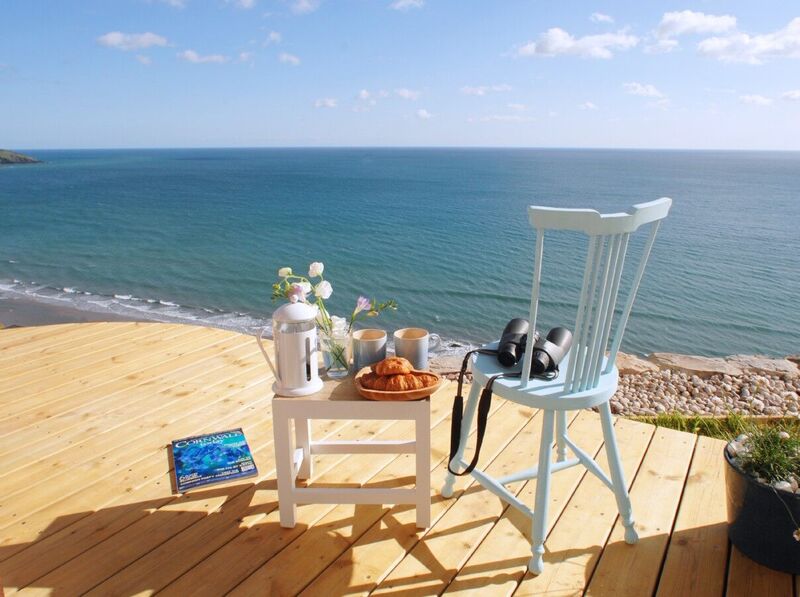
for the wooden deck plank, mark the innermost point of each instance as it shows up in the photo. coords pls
(99, 384)
(168, 528)
(658, 484)
(39, 387)
(32, 353)
(154, 499)
(748, 579)
(269, 575)
(95, 510)
(46, 554)
(355, 470)
(48, 511)
(38, 382)
(501, 560)
(7, 334)
(70, 346)
(577, 539)
(72, 355)
(121, 438)
(131, 399)
(431, 565)
(698, 549)
(238, 559)
(19, 341)
(136, 407)
(169, 359)
(338, 540)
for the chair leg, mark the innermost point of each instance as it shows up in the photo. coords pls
(466, 425)
(561, 434)
(617, 475)
(536, 565)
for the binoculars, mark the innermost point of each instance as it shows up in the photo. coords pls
(548, 352)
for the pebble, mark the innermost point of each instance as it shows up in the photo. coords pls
(782, 485)
(671, 391)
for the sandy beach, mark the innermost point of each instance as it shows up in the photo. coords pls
(21, 313)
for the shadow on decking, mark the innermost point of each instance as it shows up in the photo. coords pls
(80, 551)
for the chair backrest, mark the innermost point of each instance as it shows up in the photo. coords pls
(608, 236)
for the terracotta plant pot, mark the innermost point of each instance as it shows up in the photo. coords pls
(759, 523)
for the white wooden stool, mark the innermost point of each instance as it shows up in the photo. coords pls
(339, 400)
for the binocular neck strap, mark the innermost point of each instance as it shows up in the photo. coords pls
(458, 413)
(484, 405)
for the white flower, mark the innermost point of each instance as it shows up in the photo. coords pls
(783, 435)
(284, 272)
(315, 269)
(305, 286)
(323, 290)
(338, 323)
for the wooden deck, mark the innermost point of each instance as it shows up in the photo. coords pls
(86, 503)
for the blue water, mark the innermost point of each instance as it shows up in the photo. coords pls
(191, 234)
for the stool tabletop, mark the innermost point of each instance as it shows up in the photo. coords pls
(339, 390)
(333, 390)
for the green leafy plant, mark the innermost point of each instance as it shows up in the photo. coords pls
(770, 453)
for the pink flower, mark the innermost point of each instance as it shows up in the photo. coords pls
(362, 304)
(323, 290)
(315, 269)
(296, 293)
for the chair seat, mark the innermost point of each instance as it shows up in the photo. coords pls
(541, 393)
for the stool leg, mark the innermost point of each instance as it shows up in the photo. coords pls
(536, 565)
(466, 424)
(302, 430)
(423, 465)
(284, 465)
(561, 434)
(617, 474)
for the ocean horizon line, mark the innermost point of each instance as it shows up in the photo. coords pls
(418, 147)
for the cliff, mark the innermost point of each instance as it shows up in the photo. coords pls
(12, 157)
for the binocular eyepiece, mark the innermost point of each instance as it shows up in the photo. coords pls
(547, 352)
(513, 341)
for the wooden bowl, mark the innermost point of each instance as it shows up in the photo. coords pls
(396, 396)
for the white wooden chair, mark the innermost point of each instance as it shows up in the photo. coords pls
(587, 377)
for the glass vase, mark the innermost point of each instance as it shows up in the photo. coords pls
(336, 350)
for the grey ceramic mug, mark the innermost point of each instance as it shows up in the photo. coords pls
(369, 346)
(413, 344)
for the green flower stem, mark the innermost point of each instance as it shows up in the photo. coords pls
(338, 355)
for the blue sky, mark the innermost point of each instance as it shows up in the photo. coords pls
(196, 73)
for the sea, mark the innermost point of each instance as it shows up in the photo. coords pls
(198, 235)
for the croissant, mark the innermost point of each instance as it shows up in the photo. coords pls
(393, 366)
(426, 379)
(396, 374)
(368, 380)
(401, 383)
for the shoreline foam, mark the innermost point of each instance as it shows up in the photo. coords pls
(31, 304)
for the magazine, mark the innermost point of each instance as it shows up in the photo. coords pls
(211, 458)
